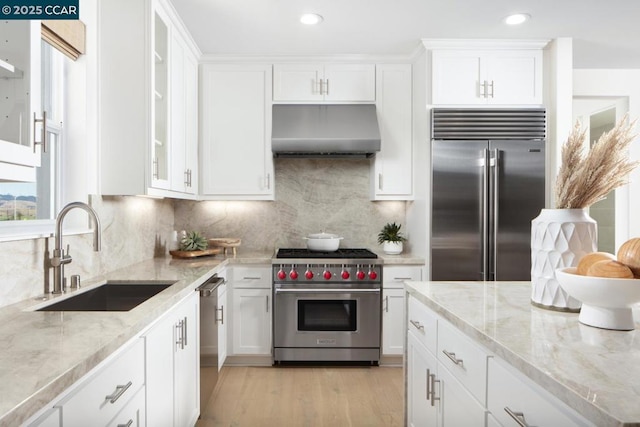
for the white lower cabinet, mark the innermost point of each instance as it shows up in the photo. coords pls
(107, 391)
(393, 303)
(222, 317)
(172, 366)
(515, 400)
(435, 396)
(421, 364)
(392, 322)
(454, 381)
(251, 311)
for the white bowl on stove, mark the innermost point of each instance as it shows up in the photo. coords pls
(323, 242)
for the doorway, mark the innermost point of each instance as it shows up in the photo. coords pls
(599, 115)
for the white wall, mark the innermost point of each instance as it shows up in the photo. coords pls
(618, 84)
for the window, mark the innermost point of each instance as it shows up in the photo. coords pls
(38, 201)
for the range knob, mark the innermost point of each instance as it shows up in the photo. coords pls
(293, 274)
(373, 275)
(327, 274)
(308, 274)
(282, 275)
(345, 274)
(361, 275)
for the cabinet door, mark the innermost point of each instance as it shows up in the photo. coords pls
(297, 82)
(393, 321)
(184, 116)
(459, 408)
(173, 365)
(515, 77)
(187, 363)
(420, 365)
(350, 83)
(236, 162)
(223, 325)
(160, 348)
(251, 321)
(191, 119)
(393, 167)
(160, 145)
(21, 99)
(177, 114)
(456, 78)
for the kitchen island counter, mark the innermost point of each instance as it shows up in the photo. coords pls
(44, 353)
(592, 370)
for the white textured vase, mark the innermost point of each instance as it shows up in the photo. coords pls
(392, 248)
(559, 238)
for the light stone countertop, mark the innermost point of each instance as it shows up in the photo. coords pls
(594, 371)
(43, 353)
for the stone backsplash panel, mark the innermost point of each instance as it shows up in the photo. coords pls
(312, 195)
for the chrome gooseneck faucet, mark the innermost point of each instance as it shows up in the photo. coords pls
(60, 258)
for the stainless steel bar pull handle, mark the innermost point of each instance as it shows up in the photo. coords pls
(491, 86)
(120, 389)
(326, 92)
(184, 332)
(416, 324)
(221, 319)
(179, 334)
(386, 304)
(428, 397)
(485, 214)
(267, 306)
(128, 424)
(43, 133)
(453, 358)
(518, 417)
(433, 381)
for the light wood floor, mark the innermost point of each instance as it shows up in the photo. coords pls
(304, 396)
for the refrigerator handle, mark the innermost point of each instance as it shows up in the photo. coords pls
(485, 215)
(495, 163)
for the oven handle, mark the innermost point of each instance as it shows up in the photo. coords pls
(338, 290)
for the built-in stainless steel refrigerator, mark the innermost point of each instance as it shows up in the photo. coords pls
(488, 183)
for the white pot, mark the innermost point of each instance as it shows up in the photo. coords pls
(323, 242)
(559, 238)
(392, 248)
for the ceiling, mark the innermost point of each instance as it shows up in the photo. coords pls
(606, 34)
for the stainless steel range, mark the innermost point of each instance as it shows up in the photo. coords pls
(327, 305)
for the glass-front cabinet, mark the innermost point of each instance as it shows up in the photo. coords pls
(21, 117)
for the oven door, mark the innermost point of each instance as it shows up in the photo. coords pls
(327, 318)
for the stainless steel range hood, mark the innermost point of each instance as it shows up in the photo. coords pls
(325, 131)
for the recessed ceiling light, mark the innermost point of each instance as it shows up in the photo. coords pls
(311, 19)
(517, 18)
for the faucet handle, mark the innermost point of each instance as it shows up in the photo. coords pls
(66, 254)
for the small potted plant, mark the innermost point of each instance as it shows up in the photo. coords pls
(391, 239)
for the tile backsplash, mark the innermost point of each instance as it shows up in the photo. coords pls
(312, 195)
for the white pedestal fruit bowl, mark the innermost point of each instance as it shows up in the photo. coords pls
(607, 303)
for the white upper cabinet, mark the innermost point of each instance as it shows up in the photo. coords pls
(236, 162)
(20, 103)
(146, 107)
(316, 83)
(184, 118)
(392, 170)
(477, 73)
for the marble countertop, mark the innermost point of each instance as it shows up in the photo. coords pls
(594, 371)
(43, 353)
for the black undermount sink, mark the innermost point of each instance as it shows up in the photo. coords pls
(112, 296)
